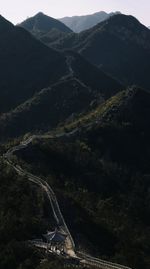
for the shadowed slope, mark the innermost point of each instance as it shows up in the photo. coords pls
(120, 46)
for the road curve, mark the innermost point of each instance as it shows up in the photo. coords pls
(83, 258)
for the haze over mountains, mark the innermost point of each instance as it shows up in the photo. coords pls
(81, 23)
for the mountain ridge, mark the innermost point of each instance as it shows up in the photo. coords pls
(81, 23)
(72, 94)
(43, 23)
(44, 27)
(69, 127)
(29, 64)
(102, 173)
(119, 46)
(32, 67)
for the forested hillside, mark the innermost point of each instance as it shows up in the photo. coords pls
(101, 177)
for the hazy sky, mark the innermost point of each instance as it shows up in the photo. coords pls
(18, 10)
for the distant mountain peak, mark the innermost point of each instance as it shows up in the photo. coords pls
(40, 14)
(84, 22)
(44, 24)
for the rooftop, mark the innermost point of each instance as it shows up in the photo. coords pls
(55, 236)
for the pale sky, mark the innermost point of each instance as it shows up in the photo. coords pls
(18, 10)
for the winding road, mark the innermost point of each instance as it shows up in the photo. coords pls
(71, 252)
(83, 258)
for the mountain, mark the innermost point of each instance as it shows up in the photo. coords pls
(97, 154)
(71, 94)
(129, 108)
(119, 46)
(27, 65)
(102, 177)
(34, 83)
(80, 23)
(45, 28)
